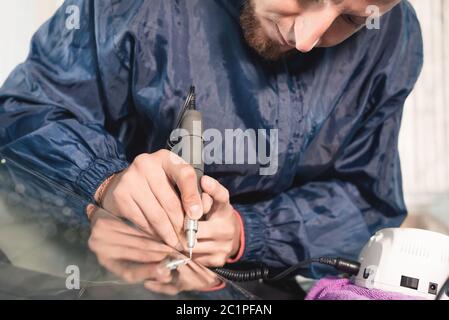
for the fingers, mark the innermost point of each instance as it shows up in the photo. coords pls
(130, 196)
(189, 280)
(136, 273)
(114, 224)
(184, 176)
(211, 260)
(207, 202)
(206, 247)
(112, 238)
(213, 229)
(156, 216)
(126, 207)
(125, 253)
(123, 228)
(184, 280)
(168, 198)
(212, 247)
(108, 243)
(219, 194)
(167, 289)
(204, 274)
(210, 253)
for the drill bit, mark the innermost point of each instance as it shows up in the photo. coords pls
(191, 228)
(173, 264)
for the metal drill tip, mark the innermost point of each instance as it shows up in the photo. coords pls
(190, 253)
(173, 264)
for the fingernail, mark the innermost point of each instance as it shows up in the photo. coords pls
(208, 182)
(195, 211)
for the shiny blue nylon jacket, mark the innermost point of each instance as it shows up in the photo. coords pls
(88, 100)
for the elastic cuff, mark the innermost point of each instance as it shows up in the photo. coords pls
(242, 240)
(98, 171)
(254, 231)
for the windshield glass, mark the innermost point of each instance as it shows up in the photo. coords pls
(47, 250)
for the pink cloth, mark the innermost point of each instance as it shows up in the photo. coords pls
(343, 289)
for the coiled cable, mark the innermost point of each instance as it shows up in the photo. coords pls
(243, 276)
(264, 273)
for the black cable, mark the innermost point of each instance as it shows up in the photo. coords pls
(192, 94)
(243, 275)
(264, 273)
(291, 271)
(443, 291)
(189, 104)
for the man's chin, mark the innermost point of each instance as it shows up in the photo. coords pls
(270, 50)
(275, 55)
(255, 35)
(270, 56)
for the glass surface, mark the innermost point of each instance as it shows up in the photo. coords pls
(45, 249)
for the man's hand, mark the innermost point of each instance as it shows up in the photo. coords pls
(136, 258)
(145, 194)
(128, 253)
(191, 277)
(219, 236)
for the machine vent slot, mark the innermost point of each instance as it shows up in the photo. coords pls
(409, 282)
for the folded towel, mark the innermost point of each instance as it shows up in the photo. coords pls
(343, 289)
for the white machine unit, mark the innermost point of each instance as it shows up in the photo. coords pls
(413, 262)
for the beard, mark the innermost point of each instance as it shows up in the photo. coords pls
(255, 35)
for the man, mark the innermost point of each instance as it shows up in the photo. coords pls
(92, 108)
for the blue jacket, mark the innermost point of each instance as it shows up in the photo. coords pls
(88, 100)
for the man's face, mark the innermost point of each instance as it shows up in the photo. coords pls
(275, 27)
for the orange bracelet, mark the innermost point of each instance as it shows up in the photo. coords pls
(90, 210)
(99, 194)
(101, 190)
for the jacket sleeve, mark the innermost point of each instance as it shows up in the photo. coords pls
(336, 213)
(52, 107)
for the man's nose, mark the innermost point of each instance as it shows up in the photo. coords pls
(309, 28)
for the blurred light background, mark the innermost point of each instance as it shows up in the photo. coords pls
(424, 141)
